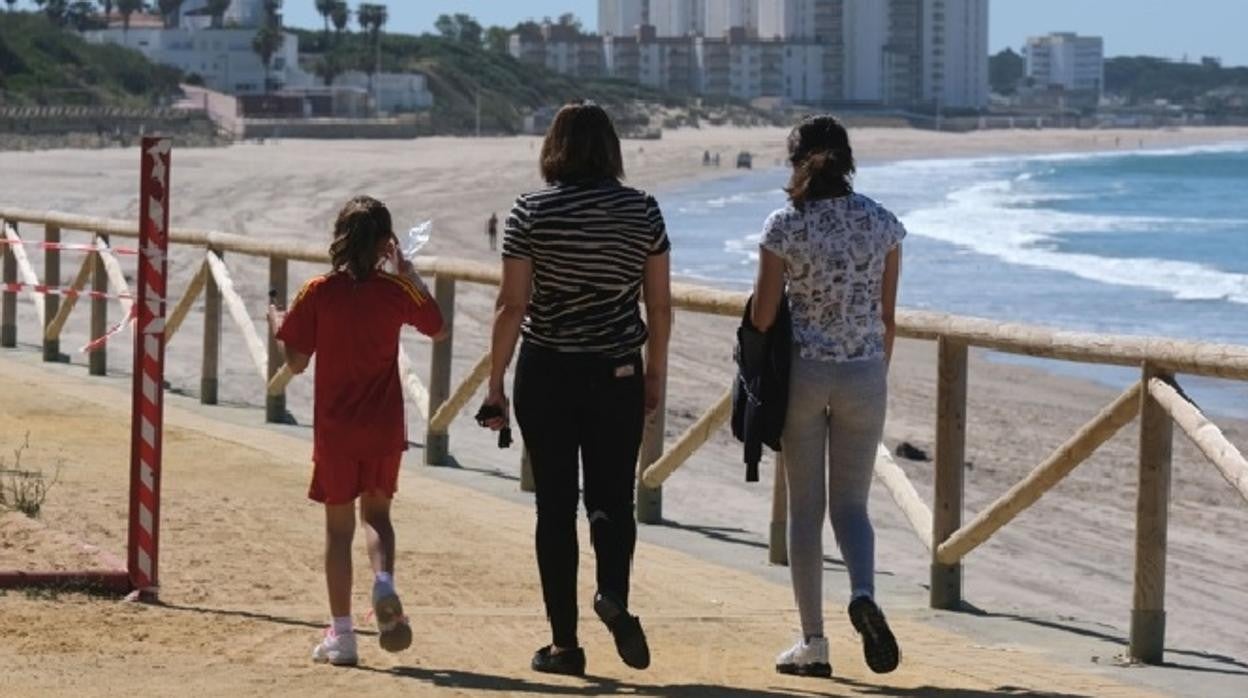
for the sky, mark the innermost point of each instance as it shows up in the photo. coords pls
(1166, 28)
(1131, 27)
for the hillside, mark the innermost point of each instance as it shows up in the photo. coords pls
(43, 64)
(459, 71)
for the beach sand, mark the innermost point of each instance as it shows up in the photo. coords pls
(1067, 559)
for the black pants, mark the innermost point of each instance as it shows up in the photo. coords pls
(570, 405)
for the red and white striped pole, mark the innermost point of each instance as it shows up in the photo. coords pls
(147, 411)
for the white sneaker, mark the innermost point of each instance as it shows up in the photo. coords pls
(805, 659)
(339, 650)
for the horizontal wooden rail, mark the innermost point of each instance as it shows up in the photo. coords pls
(1176, 356)
(1205, 434)
(1039, 481)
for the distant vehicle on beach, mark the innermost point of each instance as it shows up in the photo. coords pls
(745, 161)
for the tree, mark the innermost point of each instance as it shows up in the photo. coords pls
(108, 9)
(55, 10)
(1005, 71)
(328, 68)
(216, 9)
(372, 17)
(81, 16)
(269, 38)
(10, 3)
(570, 21)
(459, 27)
(324, 8)
(169, 12)
(127, 8)
(498, 39)
(340, 15)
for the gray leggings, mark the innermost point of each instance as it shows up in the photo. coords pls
(835, 416)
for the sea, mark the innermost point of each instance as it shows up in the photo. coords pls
(1140, 242)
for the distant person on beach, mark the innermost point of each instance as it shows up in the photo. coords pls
(839, 254)
(350, 320)
(491, 231)
(578, 258)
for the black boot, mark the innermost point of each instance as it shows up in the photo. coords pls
(568, 662)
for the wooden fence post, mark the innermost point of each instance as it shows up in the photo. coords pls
(275, 405)
(778, 542)
(946, 580)
(51, 301)
(1148, 610)
(8, 299)
(208, 382)
(98, 361)
(437, 443)
(526, 473)
(650, 499)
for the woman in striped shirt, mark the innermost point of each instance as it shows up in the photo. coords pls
(579, 258)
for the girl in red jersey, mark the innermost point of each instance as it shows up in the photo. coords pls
(350, 319)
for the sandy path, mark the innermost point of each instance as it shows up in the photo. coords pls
(242, 596)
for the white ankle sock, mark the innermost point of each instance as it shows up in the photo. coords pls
(384, 579)
(343, 626)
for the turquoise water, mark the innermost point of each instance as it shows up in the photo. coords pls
(1145, 242)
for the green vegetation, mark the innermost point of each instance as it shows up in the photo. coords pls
(460, 68)
(1142, 79)
(41, 63)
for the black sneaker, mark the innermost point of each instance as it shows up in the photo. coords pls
(567, 662)
(630, 639)
(879, 647)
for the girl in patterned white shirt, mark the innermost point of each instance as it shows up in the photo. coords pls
(839, 254)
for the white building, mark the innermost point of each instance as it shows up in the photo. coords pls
(725, 15)
(955, 53)
(394, 92)
(622, 17)
(678, 17)
(811, 20)
(223, 58)
(1066, 59)
(241, 13)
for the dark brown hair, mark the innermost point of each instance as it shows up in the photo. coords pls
(822, 160)
(362, 226)
(581, 146)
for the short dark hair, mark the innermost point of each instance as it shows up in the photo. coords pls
(822, 160)
(363, 224)
(581, 146)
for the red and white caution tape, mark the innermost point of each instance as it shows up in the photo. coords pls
(68, 246)
(100, 341)
(65, 291)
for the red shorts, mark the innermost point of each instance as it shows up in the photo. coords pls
(341, 482)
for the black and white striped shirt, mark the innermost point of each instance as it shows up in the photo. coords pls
(588, 244)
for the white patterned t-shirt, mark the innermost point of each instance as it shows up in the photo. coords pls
(834, 252)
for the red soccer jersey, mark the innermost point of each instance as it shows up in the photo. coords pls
(352, 327)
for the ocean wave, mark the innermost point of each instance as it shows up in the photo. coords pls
(986, 218)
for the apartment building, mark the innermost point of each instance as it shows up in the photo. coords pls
(1074, 62)
(955, 53)
(678, 17)
(622, 17)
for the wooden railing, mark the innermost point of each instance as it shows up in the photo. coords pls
(1156, 398)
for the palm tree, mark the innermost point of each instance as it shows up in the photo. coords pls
(80, 15)
(169, 11)
(108, 9)
(216, 9)
(127, 8)
(323, 8)
(340, 15)
(372, 17)
(328, 68)
(270, 38)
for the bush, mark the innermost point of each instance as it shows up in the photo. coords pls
(22, 490)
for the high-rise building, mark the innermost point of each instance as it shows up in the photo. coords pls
(678, 17)
(1071, 61)
(810, 20)
(722, 16)
(622, 17)
(955, 53)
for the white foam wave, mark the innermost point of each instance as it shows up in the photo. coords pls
(984, 218)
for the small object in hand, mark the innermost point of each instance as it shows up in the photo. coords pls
(488, 412)
(504, 437)
(909, 451)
